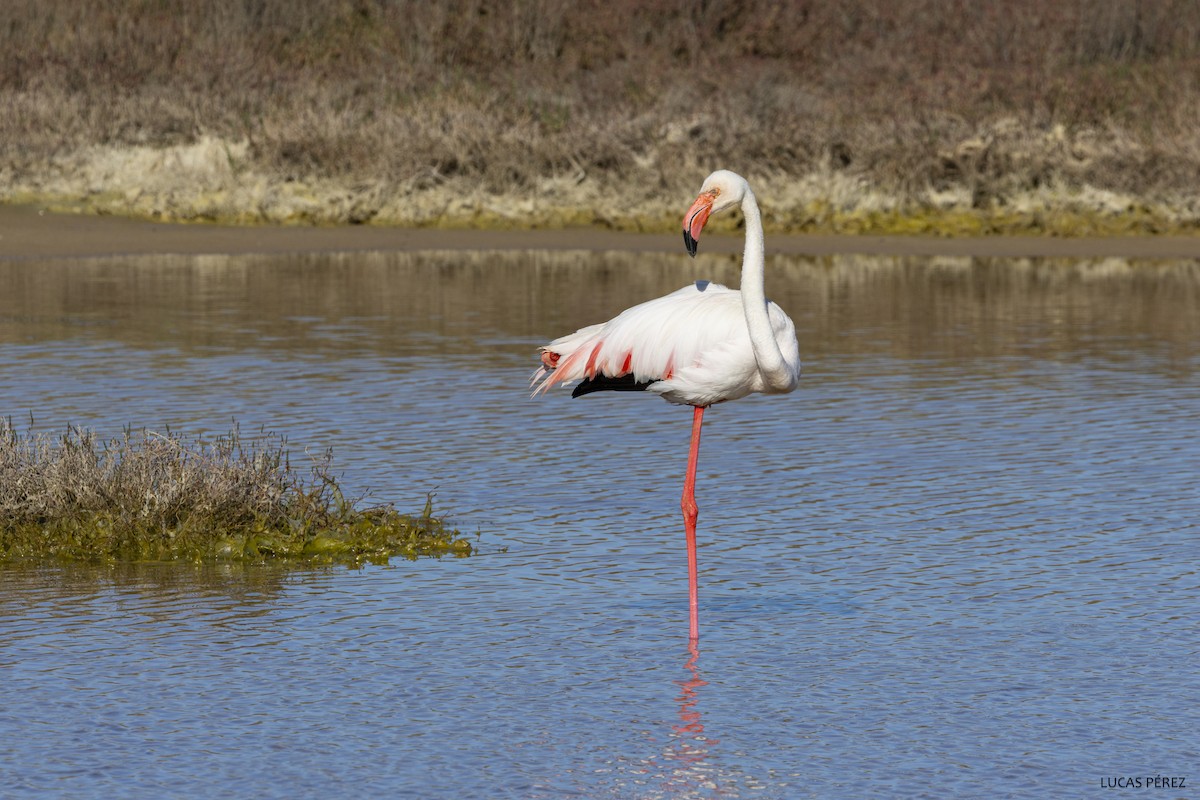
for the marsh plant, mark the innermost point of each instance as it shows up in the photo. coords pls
(150, 495)
(859, 115)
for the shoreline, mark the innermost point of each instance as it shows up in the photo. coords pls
(27, 232)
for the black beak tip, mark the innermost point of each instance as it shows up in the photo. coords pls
(690, 243)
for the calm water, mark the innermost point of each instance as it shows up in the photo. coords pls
(960, 561)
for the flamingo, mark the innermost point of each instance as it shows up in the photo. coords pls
(697, 346)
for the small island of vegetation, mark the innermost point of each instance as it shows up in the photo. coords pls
(164, 496)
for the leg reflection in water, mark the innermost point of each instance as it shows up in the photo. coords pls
(689, 749)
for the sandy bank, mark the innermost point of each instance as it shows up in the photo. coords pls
(29, 233)
(216, 181)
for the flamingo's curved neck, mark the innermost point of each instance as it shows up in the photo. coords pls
(754, 300)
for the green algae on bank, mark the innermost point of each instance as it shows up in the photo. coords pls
(951, 223)
(147, 496)
(439, 212)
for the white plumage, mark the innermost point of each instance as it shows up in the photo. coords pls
(697, 346)
(692, 346)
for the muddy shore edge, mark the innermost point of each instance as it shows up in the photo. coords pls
(27, 232)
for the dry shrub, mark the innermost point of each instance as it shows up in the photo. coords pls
(163, 495)
(503, 95)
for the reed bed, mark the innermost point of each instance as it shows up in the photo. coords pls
(161, 496)
(857, 115)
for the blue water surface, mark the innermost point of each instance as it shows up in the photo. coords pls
(960, 561)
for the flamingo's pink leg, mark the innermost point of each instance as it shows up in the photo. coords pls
(690, 513)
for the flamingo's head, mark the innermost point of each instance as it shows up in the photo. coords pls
(721, 190)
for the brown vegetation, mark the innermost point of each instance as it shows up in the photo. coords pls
(157, 496)
(864, 114)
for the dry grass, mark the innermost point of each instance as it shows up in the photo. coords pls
(535, 111)
(157, 496)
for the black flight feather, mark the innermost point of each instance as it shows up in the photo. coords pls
(603, 383)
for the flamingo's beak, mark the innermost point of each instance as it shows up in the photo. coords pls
(693, 221)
